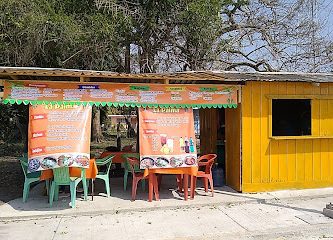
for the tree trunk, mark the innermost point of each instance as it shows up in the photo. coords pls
(130, 129)
(146, 60)
(128, 59)
(97, 135)
(23, 129)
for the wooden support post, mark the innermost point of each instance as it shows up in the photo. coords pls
(1, 85)
(84, 79)
(239, 94)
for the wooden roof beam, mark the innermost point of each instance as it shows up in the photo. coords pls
(14, 77)
(84, 79)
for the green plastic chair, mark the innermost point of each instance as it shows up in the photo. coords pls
(29, 178)
(61, 177)
(128, 169)
(104, 175)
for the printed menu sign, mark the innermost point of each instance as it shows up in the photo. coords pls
(167, 138)
(119, 93)
(59, 135)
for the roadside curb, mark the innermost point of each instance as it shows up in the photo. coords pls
(154, 208)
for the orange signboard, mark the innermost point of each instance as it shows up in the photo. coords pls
(58, 135)
(120, 93)
(167, 138)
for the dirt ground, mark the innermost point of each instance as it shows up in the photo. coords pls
(11, 179)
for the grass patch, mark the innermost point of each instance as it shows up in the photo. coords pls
(11, 149)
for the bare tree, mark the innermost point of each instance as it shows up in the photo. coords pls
(259, 35)
(275, 35)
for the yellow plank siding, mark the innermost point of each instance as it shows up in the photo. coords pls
(259, 187)
(330, 157)
(274, 145)
(264, 146)
(316, 155)
(324, 126)
(316, 160)
(256, 134)
(300, 158)
(283, 148)
(271, 164)
(324, 110)
(323, 116)
(246, 138)
(330, 141)
(300, 146)
(291, 144)
(291, 155)
(330, 111)
(308, 164)
(308, 145)
(325, 163)
(315, 115)
(283, 161)
(330, 117)
(307, 88)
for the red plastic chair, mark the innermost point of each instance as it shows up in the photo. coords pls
(206, 162)
(134, 163)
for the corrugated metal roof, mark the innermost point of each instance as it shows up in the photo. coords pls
(189, 77)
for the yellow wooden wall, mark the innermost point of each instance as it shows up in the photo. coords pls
(233, 147)
(271, 164)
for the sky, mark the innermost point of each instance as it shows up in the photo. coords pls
(325, 14)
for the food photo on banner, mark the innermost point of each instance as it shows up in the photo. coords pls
(58, 136)
(167, 138)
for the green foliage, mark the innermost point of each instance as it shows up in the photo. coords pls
(11, 149)
(9, 114)
(75, 34)
(189, 30)
(200, 27)
(68, 34)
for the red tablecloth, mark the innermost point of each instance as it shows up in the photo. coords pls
(91, 172)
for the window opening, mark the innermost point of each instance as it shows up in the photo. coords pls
(291, 117)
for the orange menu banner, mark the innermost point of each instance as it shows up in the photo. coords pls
(136, 94)
(167, 138)
(59, 135)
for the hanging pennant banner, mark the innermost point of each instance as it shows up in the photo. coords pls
(117, 94)
(59, 135)
(167, 138)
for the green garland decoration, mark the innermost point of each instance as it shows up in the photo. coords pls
(117, 104)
